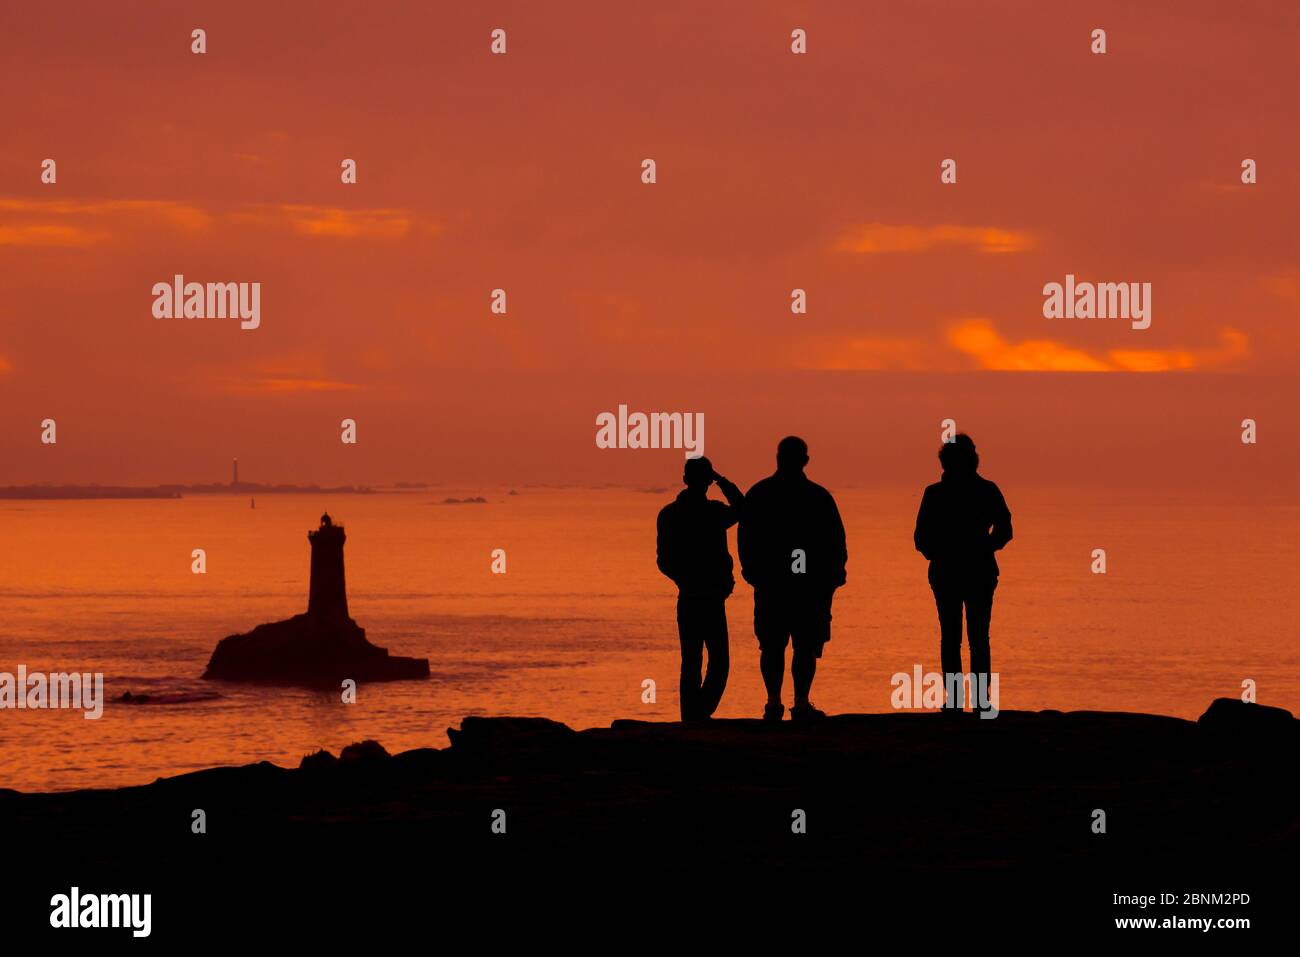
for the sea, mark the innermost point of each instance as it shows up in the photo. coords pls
(1197, 601)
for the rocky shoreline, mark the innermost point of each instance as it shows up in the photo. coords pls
(920, 800)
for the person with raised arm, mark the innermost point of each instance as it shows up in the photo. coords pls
(692, 552)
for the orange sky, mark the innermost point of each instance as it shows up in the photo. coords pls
(522, 171)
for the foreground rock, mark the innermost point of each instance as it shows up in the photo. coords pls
(321, 647)
(1246, 719)
(904, 790)
(309, 650)
(526, 823)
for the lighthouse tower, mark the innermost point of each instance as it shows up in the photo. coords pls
(317, 649)
(327, 597)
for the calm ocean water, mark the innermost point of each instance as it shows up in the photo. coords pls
(1196, 599)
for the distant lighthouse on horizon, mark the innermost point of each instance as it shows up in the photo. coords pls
(234, 477)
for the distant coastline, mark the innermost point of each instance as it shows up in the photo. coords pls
(46, 492)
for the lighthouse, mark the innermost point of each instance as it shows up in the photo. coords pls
(320, 647)
(327, 596)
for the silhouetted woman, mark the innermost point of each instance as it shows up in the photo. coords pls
(963, 520)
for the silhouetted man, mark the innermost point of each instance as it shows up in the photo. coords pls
(963, 520)
(692, 551)
(792, 550)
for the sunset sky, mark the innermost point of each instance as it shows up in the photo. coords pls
(775, 171)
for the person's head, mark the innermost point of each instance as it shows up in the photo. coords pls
(698, 473)
(959, 457)
(791, 455)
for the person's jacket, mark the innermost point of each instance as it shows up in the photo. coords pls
(962, 521)
(785, 513)
(692, 542)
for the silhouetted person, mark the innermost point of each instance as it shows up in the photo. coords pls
(792, 550)
(692, 551)
(962, 521)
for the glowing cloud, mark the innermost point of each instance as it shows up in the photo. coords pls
(979, 339)
(84, 223)
(282, 376)
(273, 386)
(884, 238)
(349, 223)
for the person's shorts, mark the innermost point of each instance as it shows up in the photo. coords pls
(782, 618)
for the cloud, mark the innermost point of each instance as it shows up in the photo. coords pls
(979, 339)
(49, 234)
(285, 375)
(86, 223)
(64, 222)
(884, 238)
(275, 386)
(867, 353)
(337, 222)
(332, 221)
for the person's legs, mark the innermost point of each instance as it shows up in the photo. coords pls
(979, 610)
(771, 662)
(948, 600)
(716, 641)
(690, 634)
(803, 668)
(772, 631)
(812, 629)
